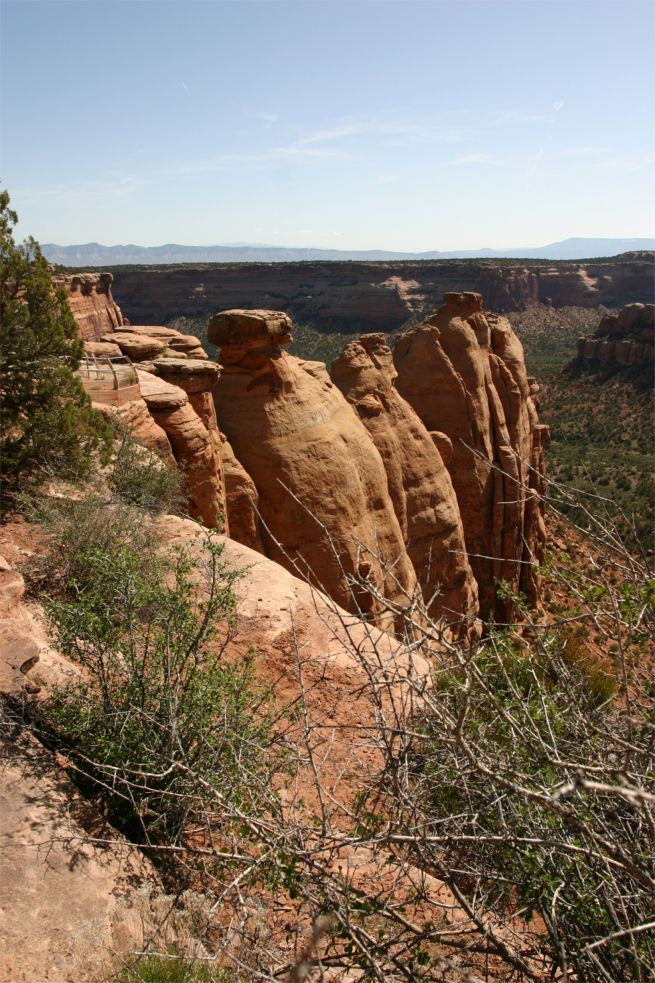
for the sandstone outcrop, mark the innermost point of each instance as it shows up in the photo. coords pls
(91, 302)
(464, 374)
(172, 411)
(185, 412)
(323, 496)
(72, 907)
(623, 339)
(419, 483)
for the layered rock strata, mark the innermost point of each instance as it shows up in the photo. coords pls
(463, 372)
(172, 410)
(91, 303)
(419, 483)
(624, 339)
(323, 497)
(361, 297)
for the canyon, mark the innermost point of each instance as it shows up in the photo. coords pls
(369, 297)
(437, 448)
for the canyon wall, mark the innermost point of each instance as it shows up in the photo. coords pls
(368, 297)
(165, 400)
(419, 483)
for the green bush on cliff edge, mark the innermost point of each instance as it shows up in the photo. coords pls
(47, 425)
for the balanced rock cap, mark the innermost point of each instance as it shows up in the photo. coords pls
(254, 328)
(467, 298)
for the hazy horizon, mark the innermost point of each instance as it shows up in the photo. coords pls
(360, 125)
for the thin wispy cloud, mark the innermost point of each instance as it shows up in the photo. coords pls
(86, 193)
(474, 158)
(391, 131)
(268, 119)
(186, 88)
(572, 152)
(536, 161)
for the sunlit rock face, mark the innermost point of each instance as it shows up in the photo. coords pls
(463, 372)
(419, 483)
(323, 497)
(91, 303)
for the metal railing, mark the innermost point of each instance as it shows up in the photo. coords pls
(107, 371)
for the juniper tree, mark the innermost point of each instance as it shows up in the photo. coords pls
(47, 423)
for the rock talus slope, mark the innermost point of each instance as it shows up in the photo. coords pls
(321, 483)
(464, 374)
(419, 483)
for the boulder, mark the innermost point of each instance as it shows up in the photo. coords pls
(102, 348)
(419, 484)
(136, 346)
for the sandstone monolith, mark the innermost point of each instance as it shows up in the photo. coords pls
(323, 495)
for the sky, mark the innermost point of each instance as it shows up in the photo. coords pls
(351, 125)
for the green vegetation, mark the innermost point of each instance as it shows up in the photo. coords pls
(172, 968)
(160, 720)
(601, 424)
(518, 794)
(47, 425)
(141, 478)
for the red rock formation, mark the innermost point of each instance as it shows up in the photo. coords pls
(464, 375)
(176, 418)
(91, 302)
(625, 339)
(419, 484)
(322, 486)
(189, 421)
(242, 500)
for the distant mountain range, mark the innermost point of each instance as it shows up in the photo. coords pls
(94, 254)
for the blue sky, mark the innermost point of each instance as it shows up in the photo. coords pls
(359, 124)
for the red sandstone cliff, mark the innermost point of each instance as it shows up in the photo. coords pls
(340, 489)
(464, 375)
(91, 302)
(168, 406)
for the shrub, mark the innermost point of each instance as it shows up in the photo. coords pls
(47, 424)
(172, 968)
(141, 478)
(161, 726)
(532, 784)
